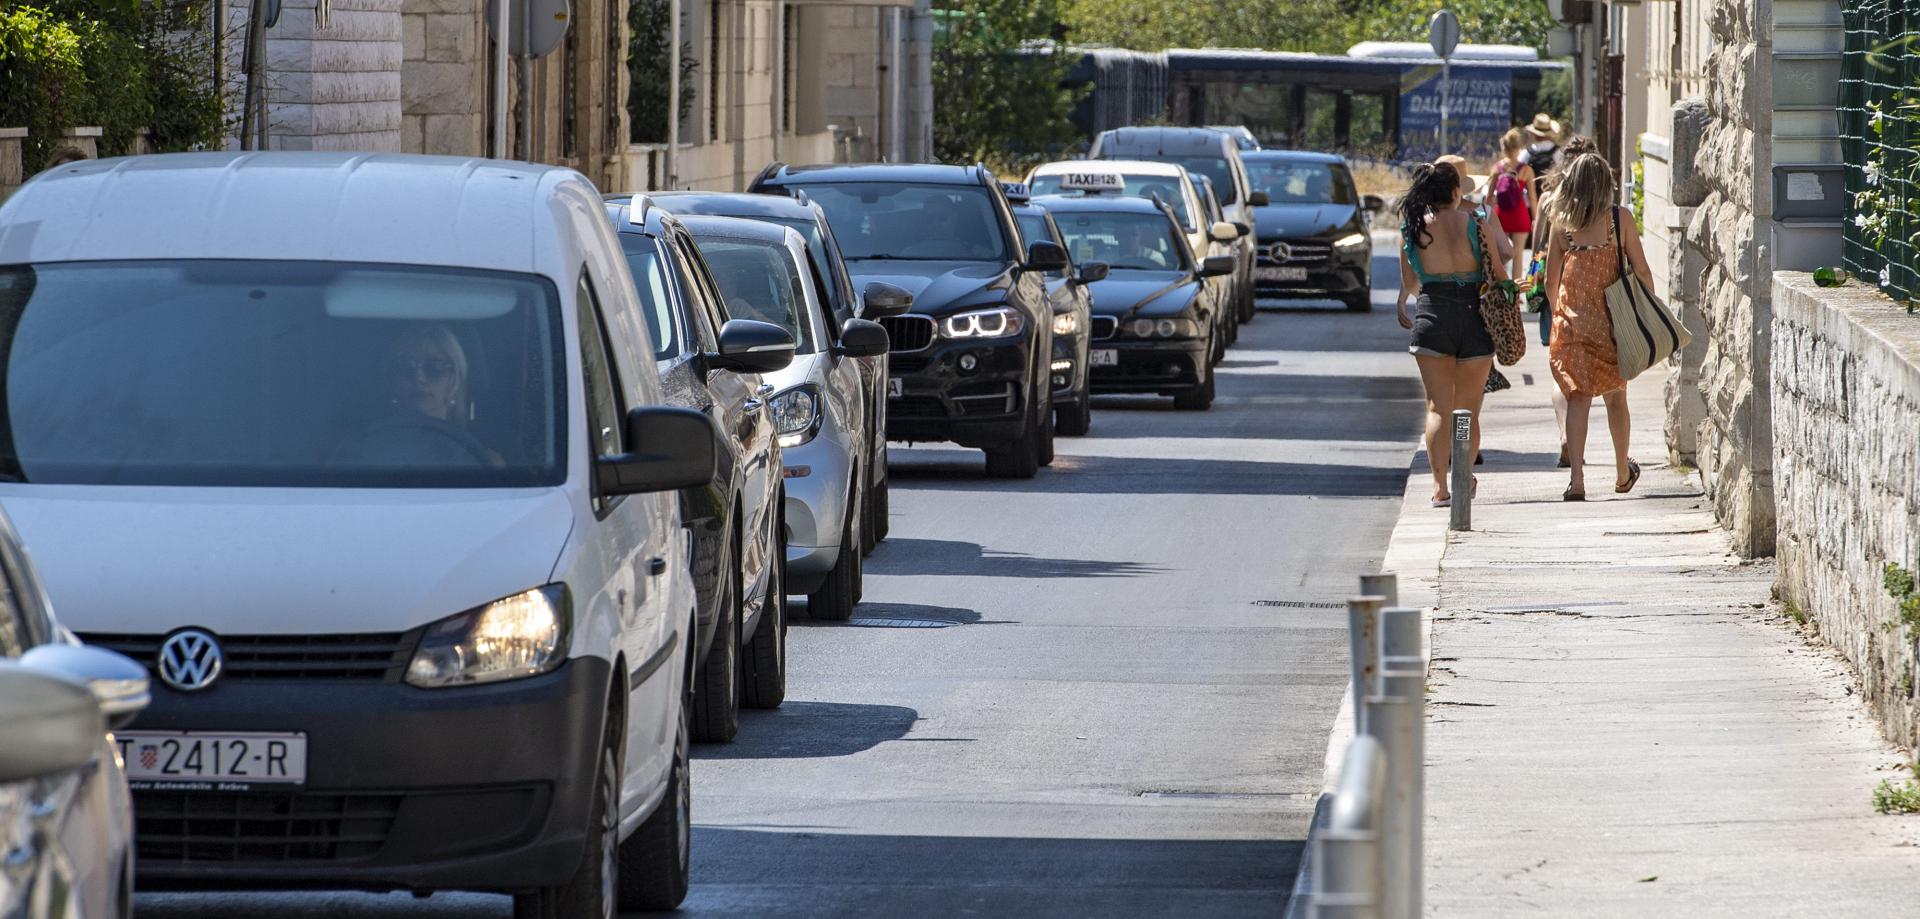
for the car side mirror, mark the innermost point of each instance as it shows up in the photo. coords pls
(48, 725)
(1223, 232)
(752, 346)
(667, 449)
(863, 338)
(1258, 199)
(1093, 271)
(880, 300)
(1373, 203)
(1244, 228)
(1045, 256)
(119, 686)
(1215, 266)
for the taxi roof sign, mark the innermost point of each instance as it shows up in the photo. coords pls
(1016, 192)
(1093, 182)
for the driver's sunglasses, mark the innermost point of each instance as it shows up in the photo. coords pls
(432, 369)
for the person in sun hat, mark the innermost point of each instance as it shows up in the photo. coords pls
(1543, 141)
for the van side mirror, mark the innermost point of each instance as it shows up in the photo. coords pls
(1046, 256)
(1223, 232)
(1258, 199)
(119, 686)
(863, 338)
(880, 300)
(667, 449)
(752, 346)
(1373, 203)
(1215, 266)
(48, 725)
(1093, 271)
(1245, 228)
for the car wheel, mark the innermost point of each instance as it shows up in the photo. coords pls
(868, 541)
(1198, 399)
(1359, 303)
(1046, 432)
(1247, 308)
(1019, 459)
(877, 522)
(1074, 419)
(591, 891)
(654, 860)
(840, 593)
(716, 706)
(767, 651)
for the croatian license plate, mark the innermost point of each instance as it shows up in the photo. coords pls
(199, 756)
(1103, 357)
(896, 388)
(1275, 273)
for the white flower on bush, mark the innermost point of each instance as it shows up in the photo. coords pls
(1860, 220)
(1886, 277)
(1873, 173)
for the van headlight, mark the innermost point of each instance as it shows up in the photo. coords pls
(520, 636)
(796, 415)
(999, 322)
(1351, 242)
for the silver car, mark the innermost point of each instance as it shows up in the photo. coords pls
(765, 272)
(66, 818)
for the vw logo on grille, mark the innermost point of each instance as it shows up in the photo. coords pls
(1280, 252)
(189, 660)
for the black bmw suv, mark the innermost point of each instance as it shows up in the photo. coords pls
(970, 361)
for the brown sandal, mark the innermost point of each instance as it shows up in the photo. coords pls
(1572, 495)
(1633, 478)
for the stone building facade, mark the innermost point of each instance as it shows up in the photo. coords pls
(777, 79)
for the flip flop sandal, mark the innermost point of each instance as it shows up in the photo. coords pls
(1441, 502)
(1571, 495)
(1633, 478)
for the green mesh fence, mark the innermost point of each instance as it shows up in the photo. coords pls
(1879, 129)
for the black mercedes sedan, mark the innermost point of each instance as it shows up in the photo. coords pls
(1315, 228)
(970, 360)
(1153, 325)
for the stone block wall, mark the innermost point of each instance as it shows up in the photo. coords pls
(335, 87)
(1734, 446)
(444, 77)
(1846, 418)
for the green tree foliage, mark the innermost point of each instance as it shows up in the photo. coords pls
(647, 64)
(998, 104)
(1315, 26)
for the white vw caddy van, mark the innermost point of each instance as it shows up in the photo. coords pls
(365, 459)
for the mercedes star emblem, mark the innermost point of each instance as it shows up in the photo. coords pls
(190, 660)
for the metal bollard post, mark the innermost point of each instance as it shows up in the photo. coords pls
(1346, 853)
(1385, 584)
(1363, 641)
(1396, 716)
(1461, 475)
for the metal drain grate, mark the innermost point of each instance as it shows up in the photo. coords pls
(1299, 604)
(887, 622)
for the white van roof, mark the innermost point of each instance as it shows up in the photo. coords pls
(393, 208)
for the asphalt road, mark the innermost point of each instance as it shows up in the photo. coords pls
(1104, 692)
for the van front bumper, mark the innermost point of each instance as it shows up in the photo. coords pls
(467, 788)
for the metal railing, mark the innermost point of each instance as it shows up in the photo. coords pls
(1879, 134)
(1367, 858)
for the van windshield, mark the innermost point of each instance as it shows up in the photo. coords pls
(279, 374)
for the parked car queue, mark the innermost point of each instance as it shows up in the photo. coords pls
(346, 452)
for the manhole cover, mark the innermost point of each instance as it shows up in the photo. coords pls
(1299, 604)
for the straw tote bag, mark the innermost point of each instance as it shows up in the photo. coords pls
(1498, 310)
(1645, 332)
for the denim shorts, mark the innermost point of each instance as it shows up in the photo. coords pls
(1447, 323)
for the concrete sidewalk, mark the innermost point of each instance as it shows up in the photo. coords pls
(1621, 722)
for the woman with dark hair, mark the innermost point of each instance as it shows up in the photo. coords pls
(1441, 253)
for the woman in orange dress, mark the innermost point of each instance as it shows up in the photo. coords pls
(1590, 236)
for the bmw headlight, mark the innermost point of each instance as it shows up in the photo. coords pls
(1066, 323)
(998, 322)
(796, 415)
(1351, 242)
(1175, 327)
(520, 636)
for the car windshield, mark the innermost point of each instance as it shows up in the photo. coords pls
(1300, 182)
(896, 220)
(759, 281)
(650, 280)
(1215, 168)
(280, 374)
(1034, 229)
(1144, 242)
(1166, 188)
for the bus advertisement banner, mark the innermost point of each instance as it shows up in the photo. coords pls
(1479, 111)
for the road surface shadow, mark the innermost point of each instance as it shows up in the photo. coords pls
(794, 874)
(1127, 475)
(805, 730)
(897, 616)
(905, 556)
